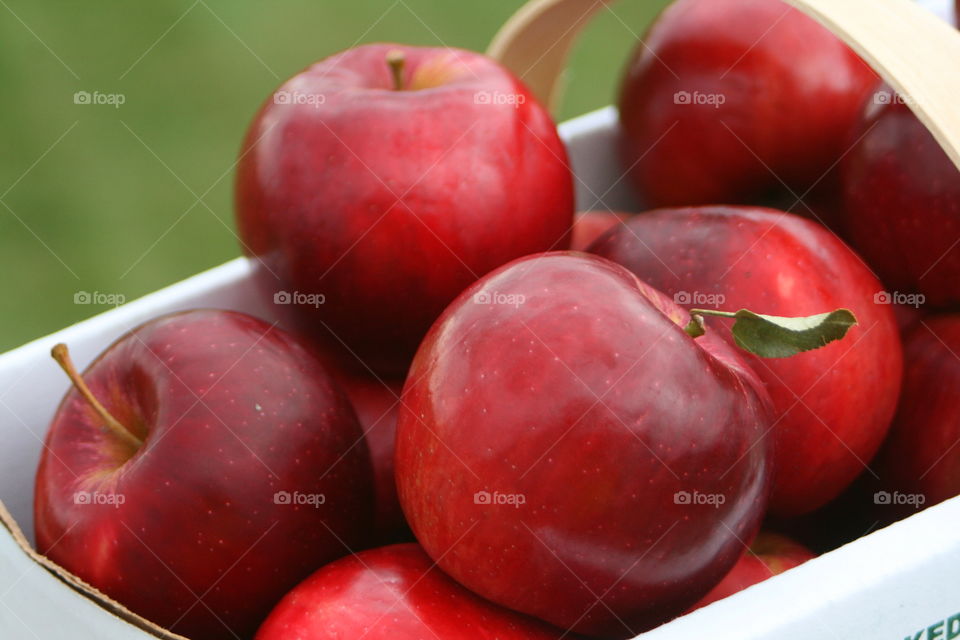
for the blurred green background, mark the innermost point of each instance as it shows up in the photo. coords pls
(123, 200)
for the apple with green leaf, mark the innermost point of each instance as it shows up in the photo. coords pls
(572, 444)
(833, 405)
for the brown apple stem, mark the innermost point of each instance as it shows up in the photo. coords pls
(712, 312)
(697, 327)
(396, 61)
(61, 354)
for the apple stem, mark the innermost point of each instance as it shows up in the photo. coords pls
(61, 354)
(712, 312)
(697, 327)
(396, 60)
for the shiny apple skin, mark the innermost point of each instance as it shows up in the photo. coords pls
(776, 263)
(389, 203)
(393, 593)
(902, 196)
(769, 555)
(792, 91)
(504, 398)
(921, 456)
(199, 513)
(590, 225)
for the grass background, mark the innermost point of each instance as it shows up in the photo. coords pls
(127, 200)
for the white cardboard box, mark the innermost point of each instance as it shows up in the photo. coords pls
(895, 583)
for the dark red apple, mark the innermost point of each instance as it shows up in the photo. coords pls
(590, 225)
(902, 196)
(769, 555)
(393, 593)
(222, 467)
(377, 184)
(833, 405)
(726, 101)
(920, 462)
(566, 450)
(376, 403)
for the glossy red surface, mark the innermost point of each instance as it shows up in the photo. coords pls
(727, 100)
(590, 225)
(189, 532)
(562, 437)
(389, 203)
(921, 455)
(768, 556)
(902, 196)
(834, 404)
(393, 593)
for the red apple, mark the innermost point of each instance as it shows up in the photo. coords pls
(378, 183)
(920, 462)
(833, 405)
(566, 450)
(902, 197)
(908, 317)
(768, 556)
(375, 400)
(393, 593)
(222, 467)
(590, 225)
(728, 100)
(376, 403)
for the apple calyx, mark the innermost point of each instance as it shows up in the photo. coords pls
(777, 336)
(61, 354)
(396, 60)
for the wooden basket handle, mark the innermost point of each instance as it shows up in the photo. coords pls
(912, 49)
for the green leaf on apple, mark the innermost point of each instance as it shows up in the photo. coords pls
(777, 336)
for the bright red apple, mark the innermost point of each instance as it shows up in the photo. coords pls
(566, 450)
(769, 555)
(902, 196)
(393, 593)
(590, 225)
(920, 462)
(222, 467)
(726, 101)
(377, 184)
(831, 416)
